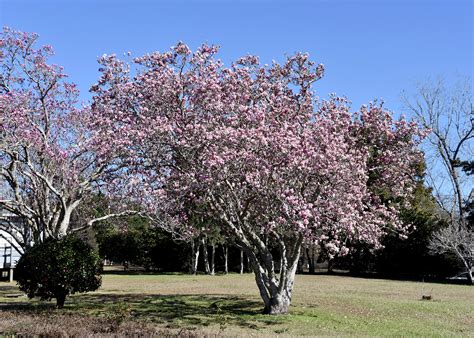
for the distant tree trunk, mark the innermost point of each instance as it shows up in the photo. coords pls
(60, 299)
(226, 258)
(206, 256)
(213, 253)
(310, 257)
(330, 265)
(467, 262)
(195, 256)
(241, 261)
(300, 268)
(470, 279)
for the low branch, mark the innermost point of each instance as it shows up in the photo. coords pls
(113, 215)
(18, 247)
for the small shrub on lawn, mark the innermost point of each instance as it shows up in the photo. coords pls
(57, 268)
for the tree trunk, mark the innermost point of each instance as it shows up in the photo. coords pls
(276, 294)
(226, 258)
(195, 258)
(241, 261)
(193, 250)
(470, 278)
(213, 253)
(206, 256)
(468, 272)
(60, 299)
(310, 258)
(467, 266)
(279, 305)
(330, 266)
(62, 230)
(63, 227)
(279, 301)
(276, 289)
(300, 265)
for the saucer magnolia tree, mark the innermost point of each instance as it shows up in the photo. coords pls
(50, 155)
(247, 147)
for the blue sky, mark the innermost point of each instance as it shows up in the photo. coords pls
(371, 49)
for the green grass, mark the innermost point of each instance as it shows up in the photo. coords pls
(230, 305)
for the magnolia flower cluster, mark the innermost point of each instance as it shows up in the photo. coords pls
(248, 146)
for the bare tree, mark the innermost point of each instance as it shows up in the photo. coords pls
(458, 240)
(448, 113)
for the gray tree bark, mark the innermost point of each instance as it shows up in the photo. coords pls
(226, 259)
(206, 256)
(195, 256)
(310, 257)
(213, 253)
(276, 288)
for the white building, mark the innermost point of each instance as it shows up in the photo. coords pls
(8, 255)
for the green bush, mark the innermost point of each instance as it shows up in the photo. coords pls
(58, 268)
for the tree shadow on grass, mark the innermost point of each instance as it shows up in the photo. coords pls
(171, 311)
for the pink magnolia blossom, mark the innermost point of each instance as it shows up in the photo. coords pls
(52, 156)
(248, 146)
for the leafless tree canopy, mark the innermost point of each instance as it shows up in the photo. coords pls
(448, 112)
(458, 240)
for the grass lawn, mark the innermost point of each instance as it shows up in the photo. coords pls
(229, 305)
